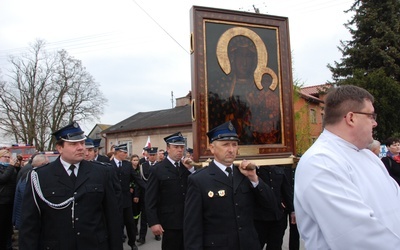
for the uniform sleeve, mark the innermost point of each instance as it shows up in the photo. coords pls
(30, 228)
(151, 196)
(287, 193)
(193, 225)
(265, 196)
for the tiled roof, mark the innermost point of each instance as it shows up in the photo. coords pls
(315, 90)
(178, 116)
(312, 93)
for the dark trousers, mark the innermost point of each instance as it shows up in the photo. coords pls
(136, 213)
(129, 224)
(294, 237)
(172, 239)
(143, 220)
(270, 233)
(5, 224)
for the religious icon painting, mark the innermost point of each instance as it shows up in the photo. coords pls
(241, 72)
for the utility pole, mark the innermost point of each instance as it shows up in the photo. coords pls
(172, 99)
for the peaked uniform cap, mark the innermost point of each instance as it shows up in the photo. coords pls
(121, 147)
(223, 132)
(71, 133)
(152, 150)
(96, 143)
(175, 139)
(89, 143)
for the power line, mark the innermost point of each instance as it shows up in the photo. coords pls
(159, 25)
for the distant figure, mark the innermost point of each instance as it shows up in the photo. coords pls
(375, 147)
(89, 152)
(98, 156)
(126, 175)
(161, 154)
(392, 159)
(144, 173)
(8, 176)
(344, 196)
(37, 161)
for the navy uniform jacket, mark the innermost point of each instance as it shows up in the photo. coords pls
(103, 158)
(146, 169)
(275, 177)
(97, 225)
(219, 215)
(125, 176)
(165, 195)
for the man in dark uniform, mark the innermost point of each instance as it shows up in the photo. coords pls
(270, 224)
(221, 198)
(165, 194)
(126, 175)
(161, 154)
(89, 152)
(99, 157)
(71, 203)
(145, 172)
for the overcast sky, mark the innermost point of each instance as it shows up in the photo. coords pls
(138, 50)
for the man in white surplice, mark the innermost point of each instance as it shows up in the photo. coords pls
(344, 196)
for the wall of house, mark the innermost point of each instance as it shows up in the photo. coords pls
(306, 131)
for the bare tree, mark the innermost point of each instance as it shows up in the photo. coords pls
(46, 91)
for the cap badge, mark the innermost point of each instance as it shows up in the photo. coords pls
(230, 127)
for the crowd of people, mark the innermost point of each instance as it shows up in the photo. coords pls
(84, 200)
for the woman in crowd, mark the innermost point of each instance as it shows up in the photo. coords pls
(136, 201)
(392, 159)
(8, 177)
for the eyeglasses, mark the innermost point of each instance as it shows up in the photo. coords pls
(371, 115)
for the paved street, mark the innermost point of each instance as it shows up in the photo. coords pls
(152, 244)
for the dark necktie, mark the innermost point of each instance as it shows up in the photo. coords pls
(72, 176)
(119, 167)
(230, 176)
(177, 167)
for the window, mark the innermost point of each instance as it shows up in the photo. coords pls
(313, 116)
(129, 146)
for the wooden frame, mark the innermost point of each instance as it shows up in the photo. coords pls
(241, 71)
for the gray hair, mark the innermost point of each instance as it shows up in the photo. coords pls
(39, 160)
(374, 144)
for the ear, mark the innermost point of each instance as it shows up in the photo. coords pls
(211, 147)
(349, 118)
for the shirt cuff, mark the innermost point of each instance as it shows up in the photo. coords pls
(255, 184)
